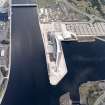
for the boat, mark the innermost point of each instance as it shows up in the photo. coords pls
(5, 45)
(54, 56)
(56, 64)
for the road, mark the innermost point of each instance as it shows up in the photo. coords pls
(23, 1)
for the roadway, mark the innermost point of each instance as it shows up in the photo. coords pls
(23, 1)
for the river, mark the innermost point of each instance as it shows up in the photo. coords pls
(28, 84)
